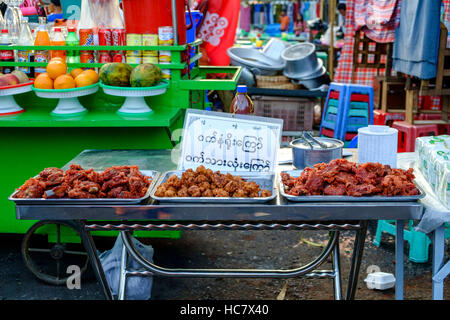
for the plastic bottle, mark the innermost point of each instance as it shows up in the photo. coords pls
(58, 40)
(72, 40)
(42, 39)
(26, 39)
(6, 55)
(242, 104)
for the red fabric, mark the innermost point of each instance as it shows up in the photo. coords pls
(218, 30)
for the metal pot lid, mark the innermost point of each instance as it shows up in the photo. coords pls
(329, 142)
(298, 52)
(303, 76)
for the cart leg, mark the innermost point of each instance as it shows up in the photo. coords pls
(337, 272)
(399, 259)
(123, 273)
(95, 261)
(358, 249)
(438, 262)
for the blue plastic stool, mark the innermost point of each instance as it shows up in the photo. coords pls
(332, 103)
(419, 242)
(356, 109)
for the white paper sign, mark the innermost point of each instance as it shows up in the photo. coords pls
(225, 142)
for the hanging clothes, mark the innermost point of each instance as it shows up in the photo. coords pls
(245, 20)
(417, 38)
(378, 18)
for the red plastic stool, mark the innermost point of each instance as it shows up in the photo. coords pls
(407, 134)
(382, 118)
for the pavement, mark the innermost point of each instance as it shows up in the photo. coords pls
(227, 249)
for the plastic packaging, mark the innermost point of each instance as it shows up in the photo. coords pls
(42, 39)
(26, 39)
(58, 40)
(242, 104)
(433, 160)
(6, 55)
(138, 288)
(106, 14)
(380, 280)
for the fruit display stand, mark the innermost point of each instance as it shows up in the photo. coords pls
(135, 103)
(68, 105)
(9, 106)
(36, 139)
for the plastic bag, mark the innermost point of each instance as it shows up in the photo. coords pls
(106, 14)
(138, 287)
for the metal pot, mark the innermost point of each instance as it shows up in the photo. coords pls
(301, 61)
(254, 60)
(307, 154)
(315, 82)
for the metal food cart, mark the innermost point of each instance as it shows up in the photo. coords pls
(278, 214)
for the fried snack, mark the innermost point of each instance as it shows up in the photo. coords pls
(121, 182)
(344, 178)
(205, 183)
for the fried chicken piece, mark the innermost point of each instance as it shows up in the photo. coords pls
(240, 193)
(335, 190)
(57, 192)
(173, 181)
(160, 191)
(32, 189)
(183, 192)
(220, 193)
(231, 186)
(266, 193)
(170, 193)
(194, 191)
(208, 193)
(204, 186)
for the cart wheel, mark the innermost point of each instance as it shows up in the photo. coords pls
(36, 251)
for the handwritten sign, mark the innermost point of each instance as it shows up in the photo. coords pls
(226, 142)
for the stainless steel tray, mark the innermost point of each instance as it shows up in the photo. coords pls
(264, 180)
(296, 173)
(100, 201)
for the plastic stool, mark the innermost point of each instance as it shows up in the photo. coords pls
(381, 118)
(407, 134)
(419, 242)
(356, 109)
(334, 104)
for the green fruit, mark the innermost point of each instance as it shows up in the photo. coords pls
(116, 74)
(145, 75)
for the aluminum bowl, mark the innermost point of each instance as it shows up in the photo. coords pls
(314, 82)
(303, 156)
(301, 61)
(255, 60)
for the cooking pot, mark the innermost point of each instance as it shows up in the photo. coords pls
(301, 61)
(307, 153)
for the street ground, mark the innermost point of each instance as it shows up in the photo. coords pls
(229, 249)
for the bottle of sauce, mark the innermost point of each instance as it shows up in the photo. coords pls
(242, 104)
(42, 39)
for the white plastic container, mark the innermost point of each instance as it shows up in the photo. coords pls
(380, 280)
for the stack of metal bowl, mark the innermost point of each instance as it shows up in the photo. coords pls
(303, 66)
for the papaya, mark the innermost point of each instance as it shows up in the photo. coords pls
(145, 75)
(116, 74)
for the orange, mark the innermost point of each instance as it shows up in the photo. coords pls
(91, 74)
(75, 72)
(64, 81)
(83, 80)
(56, 68)
(43, 81)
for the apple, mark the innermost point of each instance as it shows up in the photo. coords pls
(8, 80)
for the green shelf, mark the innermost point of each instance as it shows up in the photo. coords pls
(41, 118)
